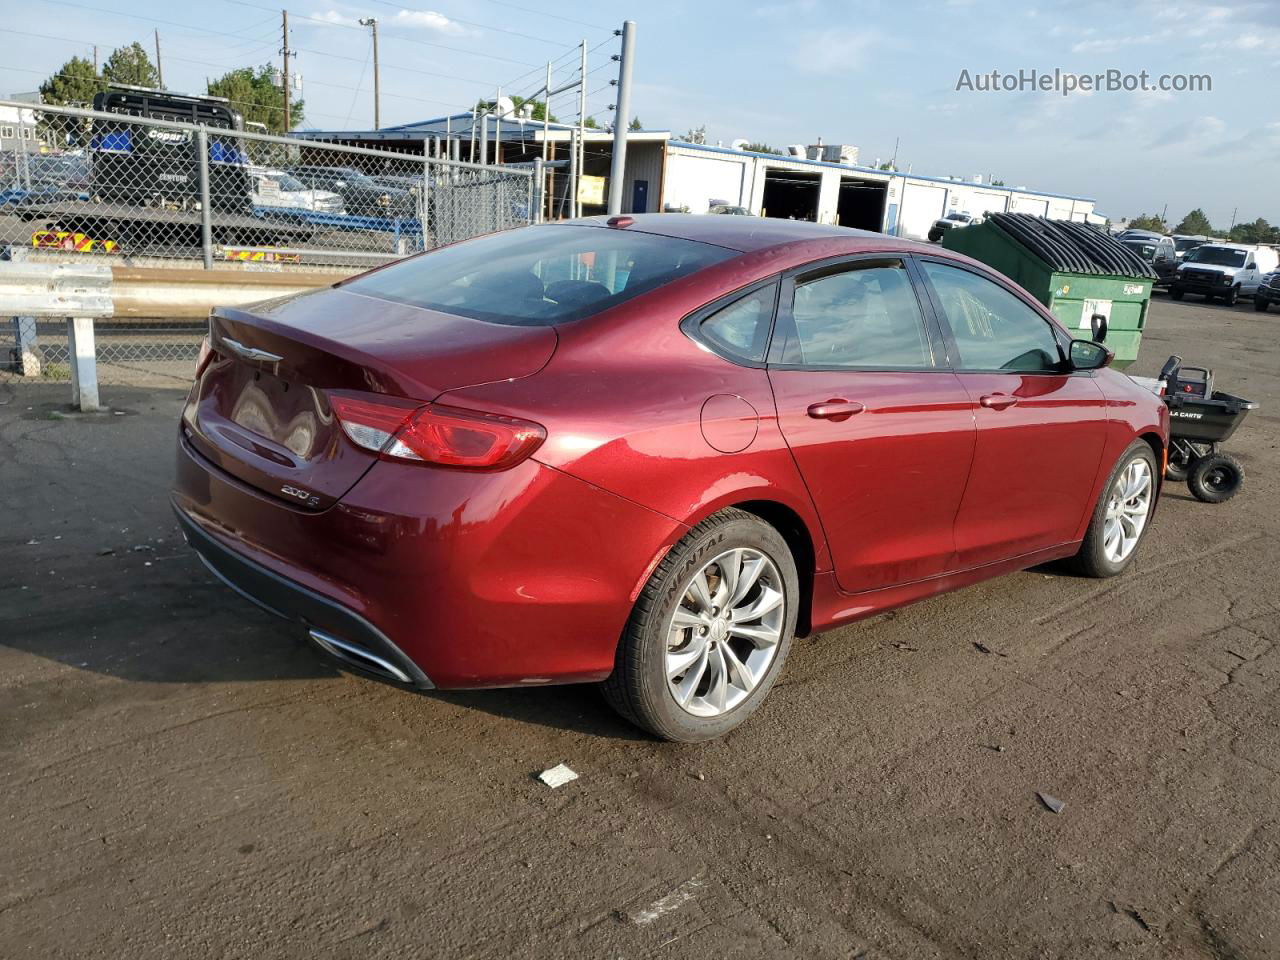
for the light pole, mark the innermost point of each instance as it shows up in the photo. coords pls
(372, 24)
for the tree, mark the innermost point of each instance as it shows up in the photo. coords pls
(887, 165)
(253, 94)
(697, 135)
(761, 147)
(1257, 232)
(75, 84)
(1195, 223)
(1148, 222)
(131, 65)
(635, 124)
(997, 183)
(538, 112)
(590, 123)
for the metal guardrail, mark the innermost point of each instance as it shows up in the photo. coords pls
(85, 294)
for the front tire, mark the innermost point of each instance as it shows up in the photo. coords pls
(1176, 292)
(710, 631)
(1260, 304)
(1231, 296)
(1120, 516)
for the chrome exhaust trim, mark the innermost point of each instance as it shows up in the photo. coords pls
(358, 656)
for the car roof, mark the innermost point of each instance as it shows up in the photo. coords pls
(745, 234)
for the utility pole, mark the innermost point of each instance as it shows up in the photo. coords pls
(497, 129)
(582, 131)
(372, 24)
(622, 110)
(284, 25)
(95, 59)
(1234, 211)
(159, 67)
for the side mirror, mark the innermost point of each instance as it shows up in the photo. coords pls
(1098, 323)
(1087, 355)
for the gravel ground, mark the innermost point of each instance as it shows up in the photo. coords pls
(182, 777)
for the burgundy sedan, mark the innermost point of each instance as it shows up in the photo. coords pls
(650, 451)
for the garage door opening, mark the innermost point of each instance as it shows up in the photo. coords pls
(861, 203)
(790, 196)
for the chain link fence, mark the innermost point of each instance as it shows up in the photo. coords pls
(130, 186)
(125, 188)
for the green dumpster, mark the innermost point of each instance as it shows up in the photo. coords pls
(1074, 270)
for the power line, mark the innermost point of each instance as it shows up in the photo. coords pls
(470, 23)
(543, 13)
(206, 63)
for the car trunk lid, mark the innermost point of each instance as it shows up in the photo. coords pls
(261, 410)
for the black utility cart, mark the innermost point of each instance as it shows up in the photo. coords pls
(1201, 419)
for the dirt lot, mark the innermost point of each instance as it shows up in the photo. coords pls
(182, 777)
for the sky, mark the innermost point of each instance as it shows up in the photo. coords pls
(778, 71)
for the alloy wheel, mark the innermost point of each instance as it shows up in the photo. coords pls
(1128, 506)
(724, 632)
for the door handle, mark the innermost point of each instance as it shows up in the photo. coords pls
(836, 409)
(998, 401)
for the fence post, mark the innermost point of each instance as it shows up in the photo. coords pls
(206, 215)
(426, 204)
(84, 363)
(536, 187)
(28, 347)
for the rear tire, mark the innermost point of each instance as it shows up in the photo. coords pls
(1097, 556)
(1216, 478)
(723, 675)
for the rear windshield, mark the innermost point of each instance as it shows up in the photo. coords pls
(1145, 250)
(539, 276)
(1218, 256)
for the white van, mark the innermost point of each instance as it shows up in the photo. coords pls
(1226, 270)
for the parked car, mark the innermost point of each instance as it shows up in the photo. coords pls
(276, 188)
(361, 195)
(949, 222)
(649, 451)
(1160, 253)
(1268, 292)
(729, 209)
(1183, 243)
(1224, 270)
(1134, 234)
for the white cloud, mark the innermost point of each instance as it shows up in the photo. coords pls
(1191, 132)
(428, 20)
(335, 18)
(1111, 44)
(1248, 41)
(836, 51)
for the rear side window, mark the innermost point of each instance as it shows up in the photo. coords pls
(542, 275)
(864, 316)
(741, 329)
(993, 329)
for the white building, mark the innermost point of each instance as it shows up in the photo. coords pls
(663, 174)
(902, 204)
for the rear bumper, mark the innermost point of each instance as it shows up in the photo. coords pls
(340, 632)
(457, 579)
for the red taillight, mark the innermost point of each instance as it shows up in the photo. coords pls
(446, 436)
(202, 359)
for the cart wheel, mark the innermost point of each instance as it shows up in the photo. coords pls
(1176, 470)
(1216, 478)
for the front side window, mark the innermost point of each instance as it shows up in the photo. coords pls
(993, 329)
(866, 316)
(539, 276)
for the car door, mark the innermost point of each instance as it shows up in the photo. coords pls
(1249, 277)
(881, 430)
(1040, 429)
